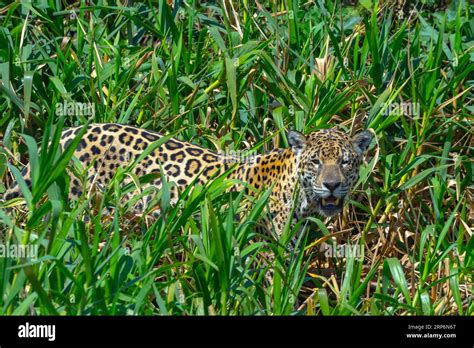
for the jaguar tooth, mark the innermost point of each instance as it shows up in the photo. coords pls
(330, 201)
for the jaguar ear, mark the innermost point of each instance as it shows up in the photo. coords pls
(297, 141)
(361, 141)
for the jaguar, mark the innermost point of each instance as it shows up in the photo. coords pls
(313, 176)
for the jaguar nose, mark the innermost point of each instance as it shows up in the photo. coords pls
(332, 185)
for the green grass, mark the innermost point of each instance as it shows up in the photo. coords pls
(234, 76)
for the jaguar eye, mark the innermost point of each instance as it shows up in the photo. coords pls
(316, 161)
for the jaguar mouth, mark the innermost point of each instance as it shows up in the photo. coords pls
(331, 205)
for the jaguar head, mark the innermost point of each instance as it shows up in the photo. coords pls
(328, 166)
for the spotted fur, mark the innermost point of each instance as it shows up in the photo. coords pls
(321, 166)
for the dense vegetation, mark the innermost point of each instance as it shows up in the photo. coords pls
(233, 76)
